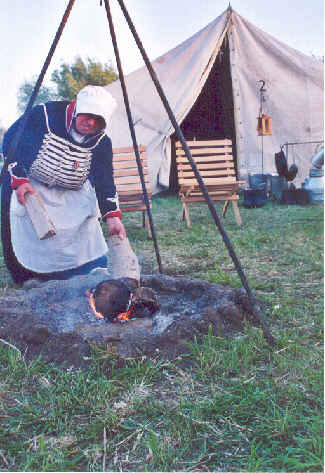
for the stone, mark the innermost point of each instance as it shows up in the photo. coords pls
(231, 313)
(38, 335)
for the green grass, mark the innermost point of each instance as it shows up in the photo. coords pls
(229, 404)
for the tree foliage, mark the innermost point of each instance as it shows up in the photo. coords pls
(70, 79)
(2, 132)
(25, 91)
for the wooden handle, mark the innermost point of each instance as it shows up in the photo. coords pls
(41, 221)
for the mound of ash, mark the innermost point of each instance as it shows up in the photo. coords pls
(55, 319)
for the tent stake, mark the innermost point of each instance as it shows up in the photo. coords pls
(254, 306)
(132, 130)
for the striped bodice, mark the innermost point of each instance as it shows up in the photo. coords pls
(61, 163)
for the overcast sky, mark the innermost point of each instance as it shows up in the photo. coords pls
(28, 27)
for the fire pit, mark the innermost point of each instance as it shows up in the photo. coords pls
(56, 320)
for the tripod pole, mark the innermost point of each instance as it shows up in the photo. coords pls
(255, 309)
(12, 150)
(132, 130)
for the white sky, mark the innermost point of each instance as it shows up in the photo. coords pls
(28, 27)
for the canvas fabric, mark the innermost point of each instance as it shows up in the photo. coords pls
(294, 84)
(294, 99)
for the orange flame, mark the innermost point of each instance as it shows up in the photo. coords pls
(124, 316)
(92, 305)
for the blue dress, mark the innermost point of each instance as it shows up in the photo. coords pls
(79, 245)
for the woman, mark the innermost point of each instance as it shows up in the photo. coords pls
(65, 156)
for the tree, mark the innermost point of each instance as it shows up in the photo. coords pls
(2, 132)
(25, 91)
(70, 79)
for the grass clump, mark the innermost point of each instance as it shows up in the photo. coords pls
(229, 404)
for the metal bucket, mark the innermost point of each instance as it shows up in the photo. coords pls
(257, 181)
(276, 185)
(315, 187)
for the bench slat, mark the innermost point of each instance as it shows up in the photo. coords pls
(126, 157)
(191, 200)
(128, 164)
(131, 178)
(128, 149)
(215, 163)
(127, 172)
(127, 179)
(201, 166)
(206, 159)
(208, 181)
(217, 174)
(223, 142)
(205, 151)
(130, 187)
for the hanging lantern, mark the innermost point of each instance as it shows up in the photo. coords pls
(264, 125)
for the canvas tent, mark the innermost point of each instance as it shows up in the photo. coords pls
(212, 83)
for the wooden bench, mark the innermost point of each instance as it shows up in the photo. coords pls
(128, 183)
(216, 165)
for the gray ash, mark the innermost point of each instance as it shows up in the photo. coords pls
(178, 309)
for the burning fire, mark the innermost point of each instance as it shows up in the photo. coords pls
(122, 317)
(92, 305)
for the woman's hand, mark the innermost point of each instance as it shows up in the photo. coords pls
(22, 190)
(116, 227)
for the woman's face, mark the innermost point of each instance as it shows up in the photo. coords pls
(87, 123)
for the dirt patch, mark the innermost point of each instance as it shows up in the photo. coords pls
(55, 320)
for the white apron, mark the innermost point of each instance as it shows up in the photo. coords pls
(79, 237)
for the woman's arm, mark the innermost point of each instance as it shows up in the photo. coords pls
(101, 174)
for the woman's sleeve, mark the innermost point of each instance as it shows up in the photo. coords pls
(102, 175)
(25, 152)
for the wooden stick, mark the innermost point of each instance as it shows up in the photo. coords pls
(124, 261)
(104, 448)
(41, 221)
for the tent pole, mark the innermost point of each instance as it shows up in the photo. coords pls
(12, 150)
(251, 297)
(132, 130)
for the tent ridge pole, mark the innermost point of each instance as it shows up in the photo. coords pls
(251, 297)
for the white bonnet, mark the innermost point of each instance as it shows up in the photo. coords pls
(96, 100)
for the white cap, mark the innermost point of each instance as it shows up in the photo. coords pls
(96, 100)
